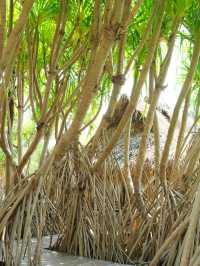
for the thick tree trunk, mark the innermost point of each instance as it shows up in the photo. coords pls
(136, 92)
(92, 78)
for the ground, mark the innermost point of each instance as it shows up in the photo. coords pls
(52, 258)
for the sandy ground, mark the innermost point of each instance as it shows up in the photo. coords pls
(52, 258)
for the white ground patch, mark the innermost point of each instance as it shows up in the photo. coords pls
(53, 258)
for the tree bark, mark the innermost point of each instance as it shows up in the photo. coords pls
(174, 119)
(136, 92)
(92, 78)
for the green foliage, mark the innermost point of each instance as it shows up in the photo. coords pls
(45, 10)
(2, 159)
(181, 6)
(192, 20)
(39, 35)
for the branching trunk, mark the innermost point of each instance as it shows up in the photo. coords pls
(92, 78)
(150, 116)
(9, 52)
(136, 92)
(118, 79)
(183, 93)
(59, 61)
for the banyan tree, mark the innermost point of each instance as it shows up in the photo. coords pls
(81, 161)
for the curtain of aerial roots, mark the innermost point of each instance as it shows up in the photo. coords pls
(91, 202)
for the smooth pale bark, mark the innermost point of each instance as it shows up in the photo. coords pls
(174, 119)
(20, 107)
(117, 85)
(141, 44)
(192, 156)
(173, 236)
(95, 33)
(118, 79)
(45, 112)
(193, 163)
(10, 49)
(150, 116)
(29, 152)
(10, 52)
(195, 258)
(88, 91)
(156, 133)
(55, 53)
(4, 139)
(50, 116)
(191, 232)
(31, 66)
(183, 127)
(137, 178)
(2, 25)
(94, 117)
(92, 78)
(46, 139)
(136, 92)
(126, 168)
(181, 134)
(185, 141)
(11, 13)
